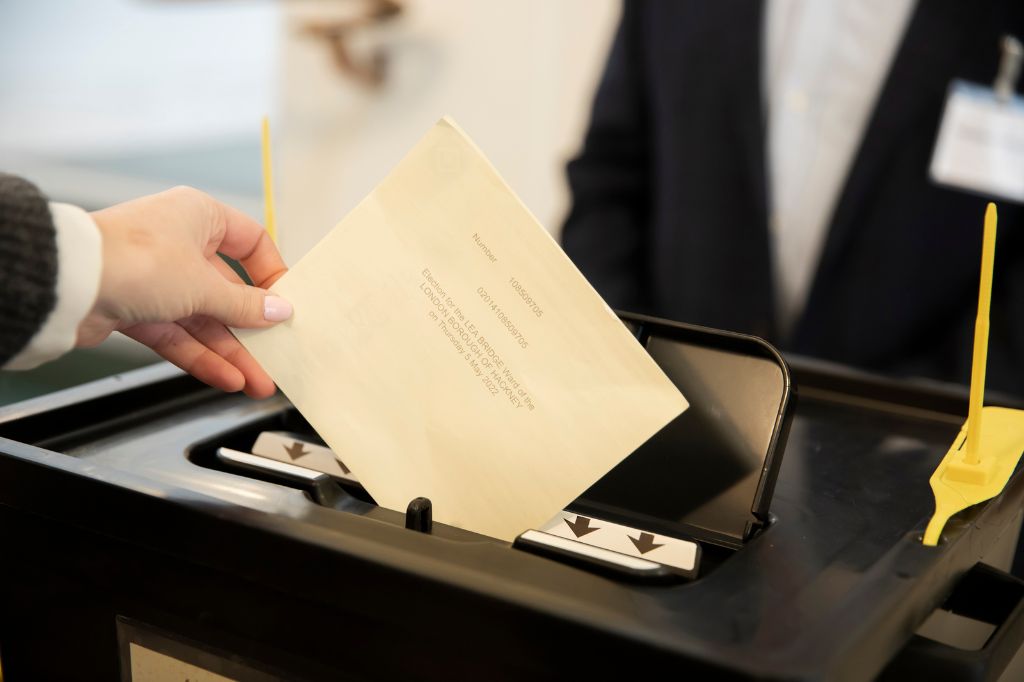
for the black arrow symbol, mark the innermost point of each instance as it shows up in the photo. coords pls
(296, 450)
(644, 543)
(581, 526)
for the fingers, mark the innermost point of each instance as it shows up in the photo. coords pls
(234, 234)
(173, 343)
(239, 305)
(229, 300)
(246, 241)
(214, 336)
(207, 351)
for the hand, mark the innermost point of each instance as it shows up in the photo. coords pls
(164, 285)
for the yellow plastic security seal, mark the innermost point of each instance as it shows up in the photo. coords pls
(986, 451)
(268, 184)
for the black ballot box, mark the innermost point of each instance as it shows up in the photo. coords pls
(141, 538)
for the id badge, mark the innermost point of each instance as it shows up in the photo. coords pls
(980, 147)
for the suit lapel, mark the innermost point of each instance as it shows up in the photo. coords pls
(742, 51)
(922, 67)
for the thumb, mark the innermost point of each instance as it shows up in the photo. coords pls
(239, 305)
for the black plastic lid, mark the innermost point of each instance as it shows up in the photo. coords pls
(710, 473)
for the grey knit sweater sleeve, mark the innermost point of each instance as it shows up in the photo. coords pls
(28, 264)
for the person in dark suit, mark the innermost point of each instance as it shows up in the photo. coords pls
(763, 167)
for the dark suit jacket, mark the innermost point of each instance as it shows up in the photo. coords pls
(670, 195)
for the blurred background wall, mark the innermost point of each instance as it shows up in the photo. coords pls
(104, 100)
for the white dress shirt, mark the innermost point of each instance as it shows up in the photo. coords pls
(824, 65)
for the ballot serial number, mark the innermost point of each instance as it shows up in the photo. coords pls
(505, 320)
(525, 295)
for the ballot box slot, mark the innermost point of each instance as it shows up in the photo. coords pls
(321, 488)
(661, 526)
(710, 473)
(596, 559)
(701, 488)
(329, 491)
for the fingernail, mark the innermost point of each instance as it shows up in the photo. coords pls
(276, 309)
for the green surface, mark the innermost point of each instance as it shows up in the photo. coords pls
(77, 367)
(228, 166)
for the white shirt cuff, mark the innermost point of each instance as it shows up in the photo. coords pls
(79, 263)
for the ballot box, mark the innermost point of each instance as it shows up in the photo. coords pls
(771, 532)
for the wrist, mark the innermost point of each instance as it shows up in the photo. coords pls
(100, 320)
(79, 263)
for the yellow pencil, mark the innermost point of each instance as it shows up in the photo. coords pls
(988, 255)
(268, 184)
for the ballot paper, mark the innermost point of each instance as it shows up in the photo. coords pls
(445, 347)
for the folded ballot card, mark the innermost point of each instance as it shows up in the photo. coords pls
(445, 347)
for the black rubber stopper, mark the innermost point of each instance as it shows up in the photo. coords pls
(418, 516)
